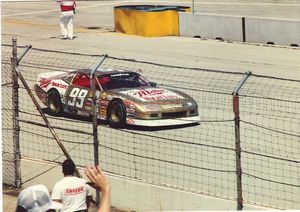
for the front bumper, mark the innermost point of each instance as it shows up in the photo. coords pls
(163, 122)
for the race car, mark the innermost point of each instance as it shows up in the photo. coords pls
(123, 97)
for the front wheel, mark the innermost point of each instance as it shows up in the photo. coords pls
(55, 106)
(116, 115)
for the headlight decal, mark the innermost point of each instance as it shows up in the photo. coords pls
(152, 107)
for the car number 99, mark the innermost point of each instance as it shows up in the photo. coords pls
(77, 97)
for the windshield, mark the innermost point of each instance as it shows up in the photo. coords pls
(122, 80)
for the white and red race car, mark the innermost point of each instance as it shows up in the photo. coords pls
(123, 97)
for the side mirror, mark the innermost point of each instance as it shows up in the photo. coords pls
(153, 84)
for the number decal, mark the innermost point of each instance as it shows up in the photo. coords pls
(77, 96)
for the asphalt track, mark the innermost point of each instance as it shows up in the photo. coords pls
(36, 23)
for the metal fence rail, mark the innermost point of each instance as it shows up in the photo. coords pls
(200, 159)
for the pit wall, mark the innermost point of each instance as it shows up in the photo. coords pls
(131, 195)
(211, 26)
(283, 32)
(236, 28)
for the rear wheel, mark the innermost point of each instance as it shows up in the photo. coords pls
(116, 115)
(55, 106)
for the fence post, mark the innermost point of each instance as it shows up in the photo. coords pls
(15, 114)
(193, 6)
(236, 111)
(95, 120)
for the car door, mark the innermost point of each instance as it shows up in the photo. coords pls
(78, 96)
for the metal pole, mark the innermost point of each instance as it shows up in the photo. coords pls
(95, 134)
(236, 111)
(238, 152)
(23, 53)
(241, 83)
(95, 121)
(193, 6)
(15, 115)
(244, 28)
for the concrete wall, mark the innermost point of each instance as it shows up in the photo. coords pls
(232, 28)
(282, 32)
(132, 195)
(211, 26)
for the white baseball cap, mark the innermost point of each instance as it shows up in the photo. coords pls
(37, 199)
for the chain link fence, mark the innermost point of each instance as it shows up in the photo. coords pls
(7, 116)
(200, 159)
(270, 127)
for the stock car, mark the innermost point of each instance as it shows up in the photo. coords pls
(123, 97)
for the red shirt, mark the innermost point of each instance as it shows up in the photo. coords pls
(67, 5)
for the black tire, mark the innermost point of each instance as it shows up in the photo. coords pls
(55, 106)
(116, 114)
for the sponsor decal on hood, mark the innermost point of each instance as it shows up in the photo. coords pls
(152, 94)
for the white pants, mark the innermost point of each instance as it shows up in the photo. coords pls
(66, 23)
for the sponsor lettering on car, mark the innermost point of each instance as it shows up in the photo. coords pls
(153, 94)
(59, 85)
(145, 93)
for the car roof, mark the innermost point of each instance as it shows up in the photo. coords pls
(103, 71)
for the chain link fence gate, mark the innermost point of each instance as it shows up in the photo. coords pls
(199, 159)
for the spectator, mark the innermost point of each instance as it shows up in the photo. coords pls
(100, 181)
(67, 8)
(36, 199)
(73, 192)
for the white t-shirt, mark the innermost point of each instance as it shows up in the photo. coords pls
(72, 191)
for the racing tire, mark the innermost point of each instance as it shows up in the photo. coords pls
(55, 106)
(116, 114)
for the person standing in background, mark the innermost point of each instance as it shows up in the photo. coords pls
(67, 8)
(73, 192)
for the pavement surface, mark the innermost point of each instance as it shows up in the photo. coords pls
(36, 23)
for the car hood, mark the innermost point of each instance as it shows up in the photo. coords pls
(150, 94)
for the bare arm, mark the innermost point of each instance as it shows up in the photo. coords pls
(105, 201)
(97, 176)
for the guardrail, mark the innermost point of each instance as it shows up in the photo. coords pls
(238, 28)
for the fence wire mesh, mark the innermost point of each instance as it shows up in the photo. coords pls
(7, 116)
(270, 124)
(76, 134)
(199, 159)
